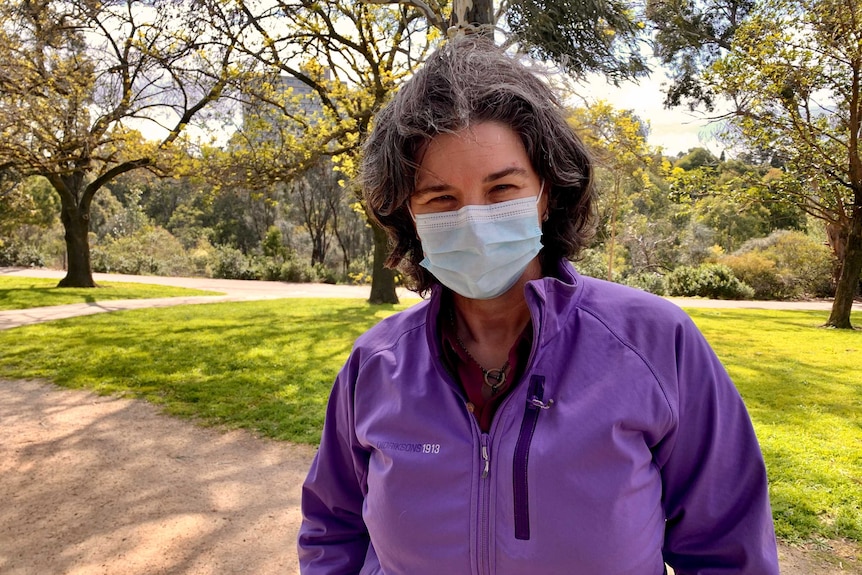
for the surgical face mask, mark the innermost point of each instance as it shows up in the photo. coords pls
(480, 252)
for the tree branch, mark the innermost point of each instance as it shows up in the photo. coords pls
(213, 94)
(96, 184)
(433, 17)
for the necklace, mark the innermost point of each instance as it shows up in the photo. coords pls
(493, 378)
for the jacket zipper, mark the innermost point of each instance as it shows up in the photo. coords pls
(484, 503)
(484, 506)
(535, 393)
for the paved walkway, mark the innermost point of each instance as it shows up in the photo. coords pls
(231, 290)
(246, 290)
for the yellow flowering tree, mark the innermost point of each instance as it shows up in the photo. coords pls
(320, 69)
(77, 75)
(618, 142)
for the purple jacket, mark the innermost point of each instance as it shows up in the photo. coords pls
(624, 445)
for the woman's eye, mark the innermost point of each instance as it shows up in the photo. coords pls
(502, 187)
(439, 199)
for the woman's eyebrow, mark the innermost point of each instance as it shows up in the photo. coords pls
(433, 188)
(436, 188)
(513, 171)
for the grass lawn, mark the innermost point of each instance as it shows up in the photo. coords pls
(803, 388)
(268, 366)
(25, 293)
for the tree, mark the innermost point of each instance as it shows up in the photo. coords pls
(316, 197)
(23, 202)
(618, 141)
(28, 220)
(351, 230)
(732, 198)
(791, 72)
(795, 80)
(690, 36)
(696, 158)
(76, 74)
(322, 68)
(580, 36)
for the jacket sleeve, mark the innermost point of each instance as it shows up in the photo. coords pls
(333, 539)
(718, 518)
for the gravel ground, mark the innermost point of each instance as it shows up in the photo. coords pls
(100, 485)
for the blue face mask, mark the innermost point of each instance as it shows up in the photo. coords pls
(480, 252)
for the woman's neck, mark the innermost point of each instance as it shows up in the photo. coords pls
(498, 322)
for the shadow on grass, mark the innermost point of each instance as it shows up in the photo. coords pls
(266, 366)
(25, 293)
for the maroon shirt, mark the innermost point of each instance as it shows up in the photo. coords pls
(482, 402)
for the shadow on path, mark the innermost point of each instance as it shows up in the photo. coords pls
(101, 485)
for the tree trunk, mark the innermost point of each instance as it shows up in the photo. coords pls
(76, 222)
(318, 254)
(837, 236)
(476, 12)
(848, 279)
(382, 278)
(613, 247)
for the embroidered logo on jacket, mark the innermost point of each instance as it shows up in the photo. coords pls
(429, 448)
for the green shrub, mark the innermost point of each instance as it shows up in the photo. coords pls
(273, 244)
(277, 269)
(295, 271)
(32, 246)
(231, 264)
(759, 272)
(151, 250)
(20, 255)
(324, 274)
(713, 281)
(593, 262)
(683, 282)
(270, 268)
(648, 281)
(201, 255)
(803, 263)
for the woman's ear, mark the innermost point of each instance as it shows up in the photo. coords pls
(545, 199)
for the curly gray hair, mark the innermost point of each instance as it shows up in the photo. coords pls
(468, 81)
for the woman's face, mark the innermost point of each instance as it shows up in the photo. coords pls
(483, 164)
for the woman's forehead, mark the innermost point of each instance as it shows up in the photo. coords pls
(484, 150)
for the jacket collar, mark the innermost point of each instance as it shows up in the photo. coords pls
(550, 300)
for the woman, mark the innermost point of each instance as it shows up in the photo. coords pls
(524, 419)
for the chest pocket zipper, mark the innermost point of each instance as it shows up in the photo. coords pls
(535, 393)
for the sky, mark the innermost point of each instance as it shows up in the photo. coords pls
(676, 130)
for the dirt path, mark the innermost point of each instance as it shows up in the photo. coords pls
(95, 485)
(99, 485)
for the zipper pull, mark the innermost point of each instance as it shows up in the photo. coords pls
(486, 457)
(536, 402)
